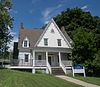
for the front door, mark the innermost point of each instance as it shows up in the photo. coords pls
(49, 59)
(53, 60)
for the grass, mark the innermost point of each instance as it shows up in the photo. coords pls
(92, 80)
(12, 78)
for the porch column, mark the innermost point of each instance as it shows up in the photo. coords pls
(59, 58)
(46, 57)
(33, 58)
(33, 70)
(47, 62)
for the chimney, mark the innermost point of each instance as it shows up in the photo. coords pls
(21, 26)
(63, 29)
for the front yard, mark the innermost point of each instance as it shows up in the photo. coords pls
(92, 80)
(12, 78)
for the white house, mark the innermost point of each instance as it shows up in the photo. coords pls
(45, 49)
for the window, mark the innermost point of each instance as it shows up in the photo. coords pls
(26, 57)
(52, 31)
(25, 43)
(39, 57)
(45, 41)
(59, 42)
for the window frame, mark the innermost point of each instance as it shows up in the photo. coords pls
(25, 43)
(46, 41)
(59, 42)
(26, 57)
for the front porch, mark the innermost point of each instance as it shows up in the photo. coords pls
(42, 58)
(44, 61)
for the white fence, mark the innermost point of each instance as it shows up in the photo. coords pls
(40, 62)
(21, 62)
(67, 62)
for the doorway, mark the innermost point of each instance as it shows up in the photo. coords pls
(53, 60)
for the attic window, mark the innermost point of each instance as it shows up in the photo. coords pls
(52, 30)
(25, 43)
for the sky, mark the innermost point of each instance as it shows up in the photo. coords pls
(36, 13)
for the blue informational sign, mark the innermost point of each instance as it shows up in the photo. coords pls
(78, 67)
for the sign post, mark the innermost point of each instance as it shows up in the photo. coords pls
(78, 69)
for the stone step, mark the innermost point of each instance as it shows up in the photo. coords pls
(57, 71)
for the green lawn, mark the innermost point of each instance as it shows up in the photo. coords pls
(92, 80)
(11, 78)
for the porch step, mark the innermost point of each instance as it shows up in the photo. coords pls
(57, 71)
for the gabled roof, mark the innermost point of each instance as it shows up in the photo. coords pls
(64, 34)
(67, 37)
(31, 34)
(34, 35)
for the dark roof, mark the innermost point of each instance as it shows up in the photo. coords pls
(67, 37)
(32, 34)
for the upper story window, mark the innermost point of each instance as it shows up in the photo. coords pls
(45, 41)
(59, 42)
(26, 57)
(25, 43)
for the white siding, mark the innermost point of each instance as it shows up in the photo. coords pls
(22, 55)
(52, 38)
(42, 55)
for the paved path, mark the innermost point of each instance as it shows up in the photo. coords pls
(76, 81)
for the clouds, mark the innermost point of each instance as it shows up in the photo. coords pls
(14, 11)
(84, 7)
(49, 12)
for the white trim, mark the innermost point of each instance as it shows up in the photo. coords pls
(46, 57)
(25, 39)
(59, 58)
(57, 29)
(20, 67)
(48, 65)
(33, 57)
(61, 33)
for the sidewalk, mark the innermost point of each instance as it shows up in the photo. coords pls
(76, 81)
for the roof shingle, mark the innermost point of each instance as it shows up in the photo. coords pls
(32, 34)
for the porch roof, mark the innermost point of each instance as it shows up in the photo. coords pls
(52, 49)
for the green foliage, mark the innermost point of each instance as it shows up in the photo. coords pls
(97, 59)
(5, 25)
(92, 80)
(84, 46)
(84, 30)
(75, 18)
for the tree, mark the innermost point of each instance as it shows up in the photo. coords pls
(84, 30)
(74, 18)
(96, 63)
(6, 22)
(84, 46)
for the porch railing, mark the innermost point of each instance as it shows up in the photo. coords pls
(21, 62)
(67, 62)
(63, 67)
(49, 67)
(40, 63)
